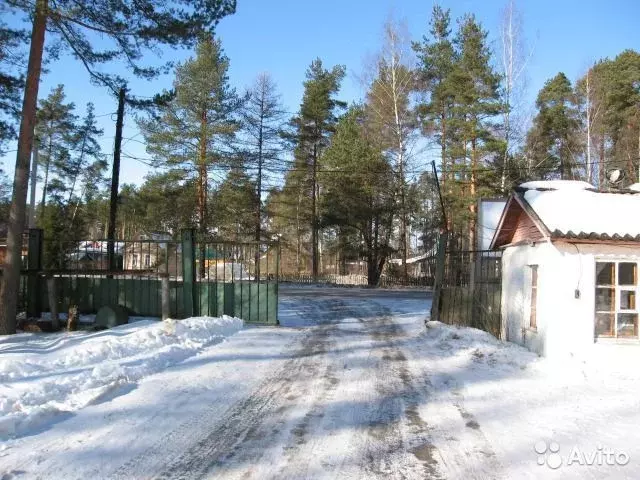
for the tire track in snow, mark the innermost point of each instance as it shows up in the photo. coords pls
(200, 445)
(286, 427)
(403, 448)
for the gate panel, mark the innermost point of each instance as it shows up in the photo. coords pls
(238, 279)
(471, 289)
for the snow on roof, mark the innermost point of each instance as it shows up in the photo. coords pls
(556, 185)
(575, 209)
(398, 261)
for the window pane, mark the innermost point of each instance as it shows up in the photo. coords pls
(604, 324)
(604, 273)
(627, 325)
(627, 273)
(605, 299)
(627, 300)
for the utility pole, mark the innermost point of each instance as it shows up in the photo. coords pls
(445, 222)
(115, 180)
(34, 181)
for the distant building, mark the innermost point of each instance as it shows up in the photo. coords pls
(93, 255)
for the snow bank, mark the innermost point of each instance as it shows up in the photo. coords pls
(478, 346)
(78, 369)
(466, 346)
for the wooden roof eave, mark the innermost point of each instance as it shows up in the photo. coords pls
(496, 234)
(518, 197)
(537, 221)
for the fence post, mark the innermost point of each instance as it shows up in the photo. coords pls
(34, 266)
(472, 292)
(277, 285)
(437, 284)
(164, 279)
(52, 291)
(189, 272)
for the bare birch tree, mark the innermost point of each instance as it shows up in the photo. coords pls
(391, 115)
(514, 60)
(590, 103)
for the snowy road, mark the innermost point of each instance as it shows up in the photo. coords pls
(344, 405)
(352, 385)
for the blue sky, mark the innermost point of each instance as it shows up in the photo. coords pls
(283, 36)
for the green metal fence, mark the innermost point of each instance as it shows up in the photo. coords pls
(205, 277)
(237, 276)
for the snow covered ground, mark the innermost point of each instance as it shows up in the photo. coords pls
(351, 386)
(44, 377)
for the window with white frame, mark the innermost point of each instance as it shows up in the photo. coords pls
(147, 260)
(134, 263)
(616, 299)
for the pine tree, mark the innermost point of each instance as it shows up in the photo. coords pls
(195, 130)
(553, 141)
(12, 41)
(358, 191)
(289, 213)
(263, 119)
(71, 155)
(134, 27)
(56, 130)
(87, 167)
(166, 203)
(312, 129)
(608, 96)
(622, 113)
(234, 206)
(476, 109)
(437, 58)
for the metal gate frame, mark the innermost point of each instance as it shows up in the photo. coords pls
(468, 287)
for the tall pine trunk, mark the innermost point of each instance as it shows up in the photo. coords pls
(298, 235)
(314, 222)
(46, 180)
(202, 192)
(443, 147)
(259, 191)
(472, 207)
(11, 275)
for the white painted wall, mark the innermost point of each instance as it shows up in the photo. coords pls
(565, 323)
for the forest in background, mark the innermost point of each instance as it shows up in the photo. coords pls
(335, 182)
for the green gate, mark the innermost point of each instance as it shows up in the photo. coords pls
(205, 277)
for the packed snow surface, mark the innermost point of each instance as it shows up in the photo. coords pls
(42, 376)
(354, 384)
